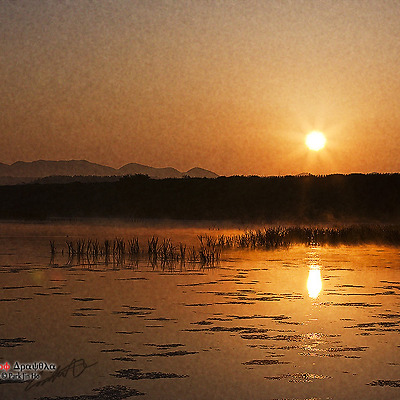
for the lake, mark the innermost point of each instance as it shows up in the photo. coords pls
(304, 322)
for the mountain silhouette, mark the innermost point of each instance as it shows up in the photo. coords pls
(200, 173)
(134, 168)
(42, 168)
(25, 172)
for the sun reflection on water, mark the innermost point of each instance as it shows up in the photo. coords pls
(314, 281)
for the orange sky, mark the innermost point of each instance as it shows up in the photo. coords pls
(231, 86)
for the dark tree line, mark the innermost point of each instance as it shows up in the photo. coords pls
(342, 198)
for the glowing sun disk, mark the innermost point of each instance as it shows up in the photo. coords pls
(315, 140)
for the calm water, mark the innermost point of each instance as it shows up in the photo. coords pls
(301, 323)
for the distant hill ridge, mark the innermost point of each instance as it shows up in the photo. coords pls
(22, 171)
(330, 199)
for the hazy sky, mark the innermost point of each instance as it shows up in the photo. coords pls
(231, 86)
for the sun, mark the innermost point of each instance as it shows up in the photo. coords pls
(315, 140)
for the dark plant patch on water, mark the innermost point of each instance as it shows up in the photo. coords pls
(352, 304)
(349, 286)
(240, 329)
(177, 353)
(222, 319)
(391, 287)
(388, 316)
(13, 270)
(236, 302)
(201, 323)
(14, 342)
(374, 325)
(302, 377)
(61, 293)
(342, 349)
(231, 317)
(324, 354)
(286, 338)
(114, 351)
(86, 299)
(133, 310)
(243, 296)
(236, 295)
(385, 383)
(132, 279)
(197, 283)
(20, 287)
(81, 314)
(136, 374)
(265, 362)
(257, 316)
(105, 393)
(165, 346)
(336, 293)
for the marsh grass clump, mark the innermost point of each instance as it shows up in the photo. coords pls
(133, 246)
(192, 254)
(91, 251)
(106, 248)
(281, 237)
(210, 249)
(267, 238)
(182, 251)
(166, 250)
(71, 249)
(96, 250)
(152, 247)
(52, 247)
(80, 246)
(118, 247)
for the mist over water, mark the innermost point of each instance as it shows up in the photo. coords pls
(298, 322)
